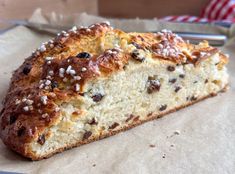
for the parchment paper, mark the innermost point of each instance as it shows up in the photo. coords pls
(197, 139)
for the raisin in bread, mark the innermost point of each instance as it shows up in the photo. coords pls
(90, 83)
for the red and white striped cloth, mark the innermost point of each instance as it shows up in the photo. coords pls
(215, 10)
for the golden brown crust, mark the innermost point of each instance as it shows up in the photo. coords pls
(58, 70)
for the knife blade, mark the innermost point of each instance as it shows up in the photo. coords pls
(213, 39)
(5, 172)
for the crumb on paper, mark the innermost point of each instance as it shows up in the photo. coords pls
(164, 155)
(177, 132)
(94, 165)
(152, 145)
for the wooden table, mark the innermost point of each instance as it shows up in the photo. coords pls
(22, 9)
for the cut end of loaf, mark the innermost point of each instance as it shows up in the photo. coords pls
(95, 82)
(140, 93)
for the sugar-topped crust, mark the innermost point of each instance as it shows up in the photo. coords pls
(60, 68)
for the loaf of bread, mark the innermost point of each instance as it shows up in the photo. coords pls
(91, 83)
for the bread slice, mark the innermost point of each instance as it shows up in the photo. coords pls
(90, 83)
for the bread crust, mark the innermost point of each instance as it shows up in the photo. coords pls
(149, 117)
(30, 105)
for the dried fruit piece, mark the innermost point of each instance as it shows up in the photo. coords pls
(93, 122)
(113, 126)
(41, 139)
(173, 80)
(136, 55)
(182, 76)
(27, 69)
(171, 68)
(162, 107)
(54, 84)
(153, 85)
(97, 97)
(83, 55)
(86, 135)
(193, 98)
(177, 88)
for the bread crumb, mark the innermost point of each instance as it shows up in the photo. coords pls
(177, 132)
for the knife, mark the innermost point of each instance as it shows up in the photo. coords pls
(4, 172)
(213, 39)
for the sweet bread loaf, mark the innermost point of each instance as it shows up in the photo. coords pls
(91, 83)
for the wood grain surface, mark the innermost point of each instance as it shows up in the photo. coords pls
(22, 9)
(150, 8)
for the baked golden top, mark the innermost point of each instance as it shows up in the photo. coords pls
(58, 70)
